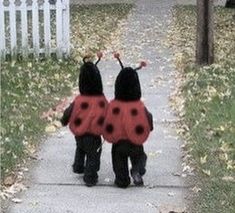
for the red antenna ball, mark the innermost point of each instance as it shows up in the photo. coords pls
(116, 55)
(99, 54)
(143, 64)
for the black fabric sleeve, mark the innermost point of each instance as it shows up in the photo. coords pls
(150, 118)
(66, 116)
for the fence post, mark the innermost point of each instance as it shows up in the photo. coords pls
(2, 32)
(66, 27)
(35, 28)
(12, 21)
(59, 32)
(47, 29)
(24, 28)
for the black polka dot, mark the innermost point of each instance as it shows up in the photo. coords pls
(102, 104)
(139, 130)
(78, 122)
(134, 112)
(100, 121)
(84, 105)
(116, 110)
(109, 128)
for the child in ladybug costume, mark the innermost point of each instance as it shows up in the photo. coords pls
(127, 126)
(85, 117)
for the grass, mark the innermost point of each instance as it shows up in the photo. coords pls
(92, 25)
(30, 87)
(210, 115)
(209, 94)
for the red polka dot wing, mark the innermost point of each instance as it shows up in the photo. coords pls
(113, 126)
(99, 110)
(136, 123)
(88, 115)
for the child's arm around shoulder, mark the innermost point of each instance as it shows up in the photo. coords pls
(66, 116)
(150, 118)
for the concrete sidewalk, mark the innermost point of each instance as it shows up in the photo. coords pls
(87, 2)
(189, 2)
(53, 186)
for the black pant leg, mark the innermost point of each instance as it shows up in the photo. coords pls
(92, 167)
(138, 159)
(78, 165)
(120, 165)
(92, 146)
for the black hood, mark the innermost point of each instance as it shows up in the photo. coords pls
(90, 82)
(127, 85)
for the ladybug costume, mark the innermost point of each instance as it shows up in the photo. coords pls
(127, 126)
(126, 120)
(85, 117)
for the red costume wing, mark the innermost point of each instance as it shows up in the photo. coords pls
(99, 110)
(88, 115)
(136, 124)
(113, 126)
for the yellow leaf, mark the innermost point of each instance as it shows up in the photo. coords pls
(230, 164)
(228, 178)
(203, 160)
(206, 172)
(225, 147)
(222, 128)
(196, 189)
(21, 128)
(57, 124)
(50, 129)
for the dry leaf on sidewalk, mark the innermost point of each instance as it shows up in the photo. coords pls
(9, 180)
(171, 194)
(16, 200)
(196, 189)
(172, 209)
(50, 129)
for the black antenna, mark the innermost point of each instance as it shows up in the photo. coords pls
(142, 64)
(117, 56)
(99, 55)
(86, 57)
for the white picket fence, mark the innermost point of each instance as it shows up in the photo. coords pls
(34, 26)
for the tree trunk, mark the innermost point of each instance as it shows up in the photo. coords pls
(205, 40)
(230, 4)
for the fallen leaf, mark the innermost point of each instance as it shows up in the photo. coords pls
(206, 172)
(230, 164)
(5, 195)
(21, 128)
(16, 200)
(203, 160)
(57, 124)
(9, 180)
(171, 194)
(228, 178)
(172, 209)
(196, 189)
(176, 174)
(151, 205)
(50, 129)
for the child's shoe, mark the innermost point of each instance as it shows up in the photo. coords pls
(90, 181)
(137, 178)
(121, 183)
(90, 184)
